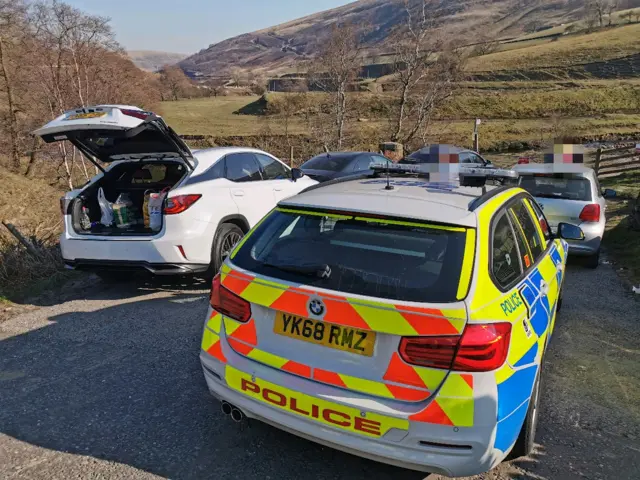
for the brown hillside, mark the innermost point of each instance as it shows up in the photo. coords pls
(282, 46)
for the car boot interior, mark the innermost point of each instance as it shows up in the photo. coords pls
(135, 179)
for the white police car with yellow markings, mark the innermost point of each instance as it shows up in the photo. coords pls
(392, 317)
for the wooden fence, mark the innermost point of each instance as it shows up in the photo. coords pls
(613, 161)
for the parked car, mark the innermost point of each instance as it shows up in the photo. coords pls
(332, 165)
(406, 325)
(467, 158)
(213, 196)
(569, 193)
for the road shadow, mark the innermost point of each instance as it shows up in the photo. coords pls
(79, 285)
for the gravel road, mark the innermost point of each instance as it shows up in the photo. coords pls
(109, 385)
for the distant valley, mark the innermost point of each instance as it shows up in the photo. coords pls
(153, 61)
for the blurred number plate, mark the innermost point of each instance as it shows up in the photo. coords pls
(348, 339)
(83, 116)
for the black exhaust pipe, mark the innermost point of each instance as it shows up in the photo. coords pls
(237, 415)
(226, 408)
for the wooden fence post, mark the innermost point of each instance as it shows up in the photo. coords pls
(476, 136)
(596, 167)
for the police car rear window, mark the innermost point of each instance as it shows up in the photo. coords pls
(559, 185)
(357, 255)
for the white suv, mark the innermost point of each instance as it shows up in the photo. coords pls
(214, 196)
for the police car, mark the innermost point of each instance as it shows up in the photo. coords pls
(392, 317)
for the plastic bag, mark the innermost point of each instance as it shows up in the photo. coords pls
(122, 211)
(154, 208)
(106, 209)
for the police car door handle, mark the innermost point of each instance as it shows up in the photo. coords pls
(238, 193)
(277, 189)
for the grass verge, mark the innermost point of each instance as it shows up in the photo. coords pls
(621, 240)
(33, 208)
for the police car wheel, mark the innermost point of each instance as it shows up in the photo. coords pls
(525, 443)
(227, 237)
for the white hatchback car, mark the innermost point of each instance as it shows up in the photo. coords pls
(570, 193)
(214, 196)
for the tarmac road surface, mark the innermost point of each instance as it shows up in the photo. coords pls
(108, 385)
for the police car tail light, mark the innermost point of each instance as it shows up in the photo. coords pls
(481, 348)
(434, 352)
(228, 303)
(590, 213)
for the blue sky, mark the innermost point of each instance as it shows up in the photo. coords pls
(186, 26)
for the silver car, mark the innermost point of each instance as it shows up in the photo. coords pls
(571, 194)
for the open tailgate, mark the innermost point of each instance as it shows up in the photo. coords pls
(116, 132)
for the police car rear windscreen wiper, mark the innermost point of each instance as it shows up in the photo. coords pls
(318, 270)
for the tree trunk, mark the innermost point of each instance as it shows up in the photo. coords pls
(32, 155)
(342, 108)
(67, 169)
(13, 120)
(78, 80)
(403, 104)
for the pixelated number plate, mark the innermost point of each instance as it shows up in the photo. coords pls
(329, 335)
(84, 116)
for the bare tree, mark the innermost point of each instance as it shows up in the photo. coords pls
(173, 80)
(237, 76)
(596, 10)
(290, 105)
(259, 84)
(12, 25)
(53, 58)
(68, 51)
(334, 70)
(610, 7)
(427, 68)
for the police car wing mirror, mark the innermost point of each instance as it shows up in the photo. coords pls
(609, 193)
(296, 174)
(566, 231)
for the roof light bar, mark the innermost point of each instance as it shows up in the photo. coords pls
(467, 176)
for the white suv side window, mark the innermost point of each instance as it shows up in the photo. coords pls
(242, 167)
(271, 168)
